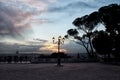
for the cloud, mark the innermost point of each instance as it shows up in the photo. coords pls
(41, 21)
(28, 7)
(71, 6)
(52, 1)
(34, 6)
(68, 47)
(5, 48)
(41, 40)
(51, 48)
(72, 47)
(13, 22)
(22, 47)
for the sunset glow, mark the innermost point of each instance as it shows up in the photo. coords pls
(22, 21)
(52, 48)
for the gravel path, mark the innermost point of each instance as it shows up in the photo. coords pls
(70, 71)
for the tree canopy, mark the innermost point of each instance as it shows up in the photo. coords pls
(103, 41)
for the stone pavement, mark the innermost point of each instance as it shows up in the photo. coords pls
(69, 71)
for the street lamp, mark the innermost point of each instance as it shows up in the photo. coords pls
(58, 42)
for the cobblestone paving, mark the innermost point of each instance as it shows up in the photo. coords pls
(69, 71)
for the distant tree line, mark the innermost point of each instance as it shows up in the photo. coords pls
(15, 59)
(26, 58)
(105, 42)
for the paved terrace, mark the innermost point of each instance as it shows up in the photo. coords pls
(70, 71)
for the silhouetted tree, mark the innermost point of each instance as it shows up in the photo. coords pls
(17, 52)
(103, 43)
(21, 59)
(60, 54)
(78, 56)
(16, 59)
(109, 16)
(9, 59)
(26, 58)
(116, 50)
(1, 60)
(85, 26)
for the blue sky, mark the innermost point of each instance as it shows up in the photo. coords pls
(22, 21)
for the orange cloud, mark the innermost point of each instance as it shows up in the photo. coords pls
(52, 48)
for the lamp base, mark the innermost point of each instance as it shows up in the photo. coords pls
(59, 65)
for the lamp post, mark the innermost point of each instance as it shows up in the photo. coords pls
(58, 42)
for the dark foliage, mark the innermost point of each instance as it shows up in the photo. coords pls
(72, 32)
(60, 54)
(104, 42)
(110, 18)
(116, 51)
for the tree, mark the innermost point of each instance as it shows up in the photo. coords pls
(86, 26)
(103, 43)
(116, 51)
(109, 16)
(81, 41)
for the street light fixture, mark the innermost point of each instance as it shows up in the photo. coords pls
(58, 42)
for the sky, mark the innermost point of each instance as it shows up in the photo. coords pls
(29, 25)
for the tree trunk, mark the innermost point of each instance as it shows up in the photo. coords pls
(108, 57)
(91, 46)
(89, 55)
